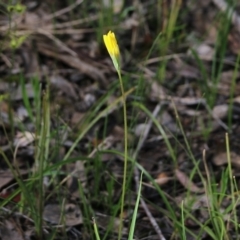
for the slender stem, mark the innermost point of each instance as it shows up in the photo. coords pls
(43, 147)
(125, 154)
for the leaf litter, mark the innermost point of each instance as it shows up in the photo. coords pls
(60, 48)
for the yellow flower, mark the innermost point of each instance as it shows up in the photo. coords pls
(112, 47)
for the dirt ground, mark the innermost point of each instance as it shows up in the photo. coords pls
(180, 64)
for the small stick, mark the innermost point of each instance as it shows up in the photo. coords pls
(136, 173)
(64, 10)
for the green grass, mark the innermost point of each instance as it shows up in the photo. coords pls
(220, 191)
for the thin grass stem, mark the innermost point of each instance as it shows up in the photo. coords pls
(125, 153)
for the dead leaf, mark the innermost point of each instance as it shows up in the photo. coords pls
(157, 92)
(189, 100)
(167, 121)
(9, 230)
(17, 94)
(70, 214)
(115, 5)
(77, 117)
(191, 112)
(103, 222)
(220, 111)
(23, 139)
(187, 182)
(89, 99)
(183, 69)
(65, 86)
(6, 194)
(237, 99)
(21, 113)
(162, 179)
(221, 159)
(204, 51)
(140, 129)
(7, 176)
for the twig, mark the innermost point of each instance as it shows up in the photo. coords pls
(74, 22)
(147, 129)
(17, 214)
(58, 42)
(64, 10)
(136, 173)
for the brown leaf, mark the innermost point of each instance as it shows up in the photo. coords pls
(77, 117)
(183, 69)
(189, 100)
(115, 5)
(7, 176)
(221, 159)
(17, 94)
(204, 52)
(162, 179)
(104, 220)
(9, 230)
(65, 86)
(157, 92)
(71, 216)
(187, 182)
(23, 139)
(220, 111)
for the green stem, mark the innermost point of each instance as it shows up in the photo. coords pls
(125, 153)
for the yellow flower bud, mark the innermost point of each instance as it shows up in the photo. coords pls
(112, 47)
